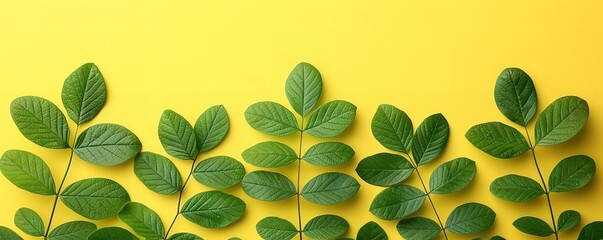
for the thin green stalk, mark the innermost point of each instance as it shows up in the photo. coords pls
(167, 233)
(298, 193)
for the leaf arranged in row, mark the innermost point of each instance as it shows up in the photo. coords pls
(211, 127)
(157, 173)
(213, 209)
(112, 233)
(516, 188)
(72, 230)
(268, 186)
(84, 93)
(326, 227)
(561, 121)
(274, 228)
(516, 96)
(28, 172)
(40, 121)
(498, 140)
(95, 198)
(567, 220)
(107, 144)
(329, 154)
(533, 226)
(470, 218)
(331, 119)
(269, 154)
(392, 128)
(303, 88)
(371, 231)
(7, 233)
(592, 230)
(330, 188)
(418, 228)
(397, 202)
(384, 169)
(271, 118)
(572, 173)
(184, 236)
(452, 176)
(29, 222)
(143, 220)
(219, 172)
(430, 139)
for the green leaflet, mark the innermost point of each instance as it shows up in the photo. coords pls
(498, 140)
(418, 228)
(219, 172)
(329, 154)
(303, 88)
(29, 222)
(331, 119)
(572, 173)
(430, 139)
(392, 128)
(213, 209)
(493, 238)
(40, 121)
(84, 93)
(330, 188)
(371, 231)
(561, 121)
(177, 136)
(211, 128)
(326, 227)
(184, 236)
(269, 155)
(72, 230)
(143, 220)
(470, 218)
(384, 169)
(567, 220)
(271, 118)
(28, 172)
(397, 202)
(516, 188)
(592, 230)
(452, 176)
(515, 95)
(95, 198)
(268, 186)
(533, 226)
(274, 228)
(8, 234)
(112, 233)
(157, 173)
(107, 145)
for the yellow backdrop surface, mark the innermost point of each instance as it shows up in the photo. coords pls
(420, 56)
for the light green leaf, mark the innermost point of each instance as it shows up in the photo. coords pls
(271, 118)
(330, 188)
(430, 139)
(326, 227)
(177, 136)
(397, 202)
(303, 88)
(470, 218)
(273, 228)
(561, 121)
(28, 172)
(418, 228)
(211, 128)
(568, 220)
(331, 119)
(392, 128)
(8, 234)
(157, 173)
(112, 233)
(213, 209)
(572, 173)
(498, 140)
(143, 220)
(329, 154)
(184, 236)
(533, 226)
(269, 155)
(95, 198)
(515, 95)
(72, 230)
(268, 186)
(107, 145)
(219, 172)
(29, 222)
(452, 176)
(84, 93)
(516, 188)
(40, 121)
(371, 231)
(593, 230)
(384, 169)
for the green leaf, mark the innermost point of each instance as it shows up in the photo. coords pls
(269, 155)
(561, 121)
(326, 227)
(533, 226)
(8, 234)
(392, 128)
(418, 228)
(268, 186)
(330, 188)
(329, 154)
(331, 119)
(498, 140)
(84, 93)
(211, 128)
(143, 220)
(303, 88)
(572, 173)
(592, 230)
(567, 220)
(112, 233)
(28, 172)
(29, 222)
(384, 169)
(397, 202)
(40, 121)
(515, 95)
(430, 139)
(184, 236)
(493, 238)
(470, 218)
(452, 176)
(107, 145)
(271, 118)
(177, 136)
(516, 188)
(371, 231)
(72, 230)
(95, 198)
(219, 172)
(273, 228)
(157, 173)
(213, 209)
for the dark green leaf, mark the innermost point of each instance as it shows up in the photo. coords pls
(418, 228)
(271, 118)
(157, 173)
(331, 119)
(112, 233)
(268, 186)
(533, 226)
(392, 128)
(470, 218)
(498, 140)
(27, 171)
(561, 121)
(572, 173)
(184, 236)
(269, 155)
(29, 222)
(273, 228)
(107, 145)
(568, 220)
(177, 136)
(84, 93)
(371, 231)
(211, 128)
(213, 209)
(452, 176)
(330, 188)
(329, 154)
(8, 234)
(219, 172)
(40, 121)
(303, 88)
(143, 220)
(384, 169)
(72, 230)
(430, 139)
(515, 95)
(326, 227)
(516, 188)
(397, 202)
(591, 231)
(95, 198)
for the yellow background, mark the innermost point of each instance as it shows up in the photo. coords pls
(423, 57)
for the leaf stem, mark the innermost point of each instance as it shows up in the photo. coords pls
(298, 193)
(167, 233)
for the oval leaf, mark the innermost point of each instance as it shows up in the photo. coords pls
(572, 173)
(303, 88)
(430, 139)
(329, 154)
(470, 218)
(157, 173)
(28, 172)
(29, 222)
(8, 234)
(392, 128)
(219, 172)
(533, 226)
(592, 230)
(143, 220)
(95, 198)
(273, 228)
(271, 118)
(107, 145)
(326, 227)
(331, 119)
(371, 231)
(497, 140)
(561, 121)
(211, 128)
(84, 93)
(177, 136)
(330, 188)
(452, 176)
(516, 188)
(397, 202)
(40, 121)
(269, 155)
(268, 186)
(112, 233)
(72, 230)
(418, 228)
(184, 236)
(213, 209)
(568, 220)
(384, 169)
(515, 95)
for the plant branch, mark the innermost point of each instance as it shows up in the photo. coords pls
(298, 193)
(167, 233)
